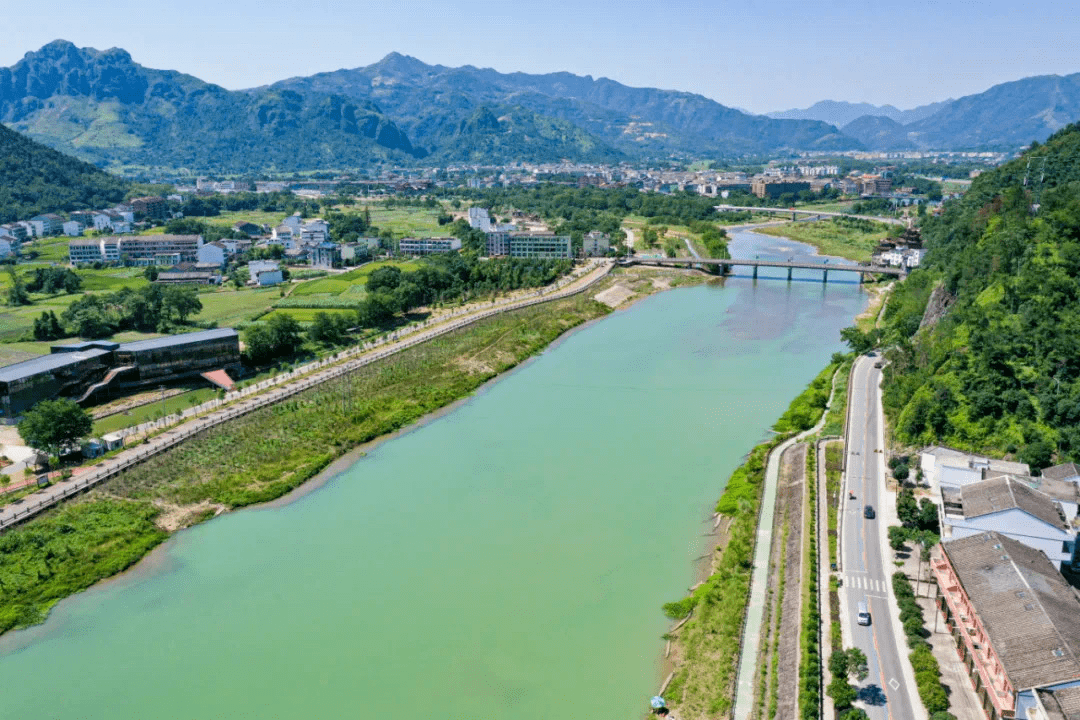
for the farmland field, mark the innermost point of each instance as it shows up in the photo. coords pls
(307, 315)
(228, 308)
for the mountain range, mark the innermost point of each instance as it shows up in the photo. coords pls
(840, 113)
(103, 107)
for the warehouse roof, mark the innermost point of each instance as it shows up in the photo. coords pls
(45, 363)
(174, 340)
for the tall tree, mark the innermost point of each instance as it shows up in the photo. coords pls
(53, 425)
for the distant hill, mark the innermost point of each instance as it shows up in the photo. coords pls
(1005, 116)
(424, 99)
(841, 113)
(35, 179)
(104, 107)
(880, 133)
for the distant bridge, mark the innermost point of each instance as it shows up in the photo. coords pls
(815, 213)
(863, 270)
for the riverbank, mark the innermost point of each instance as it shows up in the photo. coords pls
(832, 237)
(273, 451)
(705, 645)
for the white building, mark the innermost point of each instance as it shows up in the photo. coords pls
(269, 277)
(428, 246)
(255, 267)
(7, 246)
(595, 244)
(1011, 507)
(479, 219)
(212, 253)
(72, 229)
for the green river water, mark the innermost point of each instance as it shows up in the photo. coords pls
(507, 560)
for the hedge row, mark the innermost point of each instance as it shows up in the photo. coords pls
(810, 665)
(927, 670)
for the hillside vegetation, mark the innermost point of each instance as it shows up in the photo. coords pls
(36, 179)
(1000, 372)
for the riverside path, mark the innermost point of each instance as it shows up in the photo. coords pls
(752, 631)
(241, 403)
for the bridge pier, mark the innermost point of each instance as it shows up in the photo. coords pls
(789, 274)
(825, 276)
(862, 278)
(755, 272)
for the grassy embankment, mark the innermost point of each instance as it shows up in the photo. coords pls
(851, 239)
(707, 645)
(260, 457)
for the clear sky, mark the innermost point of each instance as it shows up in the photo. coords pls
(759, 55)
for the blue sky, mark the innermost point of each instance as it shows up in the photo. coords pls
(756, 54)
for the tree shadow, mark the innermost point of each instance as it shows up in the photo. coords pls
(872, 695)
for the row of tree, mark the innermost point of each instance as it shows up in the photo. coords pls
(154, 308)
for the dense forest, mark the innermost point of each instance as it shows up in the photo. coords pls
(986, 335)
(35, 179)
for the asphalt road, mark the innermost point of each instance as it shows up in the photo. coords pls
(866, 572)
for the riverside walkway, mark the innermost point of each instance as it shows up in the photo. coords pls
(242, 402)
(759, 580)
(812, 213)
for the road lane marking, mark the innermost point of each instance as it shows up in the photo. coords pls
(893, 684)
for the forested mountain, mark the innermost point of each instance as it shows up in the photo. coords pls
(880, 133)
(424, 98)
(999, 372)
(103, 107)
(840, 113)
(36, 179)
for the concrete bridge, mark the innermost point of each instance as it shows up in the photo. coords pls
(793, 212)
(825, 267)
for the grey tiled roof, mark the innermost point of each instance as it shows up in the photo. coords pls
(1004, 493)
(1029, 611)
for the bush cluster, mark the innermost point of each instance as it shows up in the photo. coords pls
(927, 671)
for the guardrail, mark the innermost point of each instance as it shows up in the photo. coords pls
(15, 514)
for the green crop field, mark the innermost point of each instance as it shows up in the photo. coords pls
(112, 279)
(230, 307)
(402, 221)
(306, 315)
(344, 283)
(252, 216)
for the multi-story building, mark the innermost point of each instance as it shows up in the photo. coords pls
(325, 255)
(498, 243)
(595, 244)
(15, 231)
(85, 252)
(539, 245)
(479, 219)
(144, 250)
(1015, 621)
(72, 228)
(150, 208)
(775, 187)
(257, 269)
(428, 246)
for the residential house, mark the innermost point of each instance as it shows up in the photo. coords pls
(942, 466)
(1069, 473)
(1012, 507)
(314, 232)
(354, 253)
(258, 268)
(294, 221)
(1015, 621)
(72, 228)
(150, 208)
(7, 246)
(325, 255)
(14, 231)
(212, 253)
(428, 246)
(249, 229)
(47, 224)
(285, 235)
(85, 252)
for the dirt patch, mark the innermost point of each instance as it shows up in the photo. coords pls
(615, 295)
(175, 517)
(662, 283)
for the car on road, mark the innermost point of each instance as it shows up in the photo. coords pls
(868, 512)
(863, 615)
(878, 365)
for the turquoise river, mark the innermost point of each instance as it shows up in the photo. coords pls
(507, 560)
